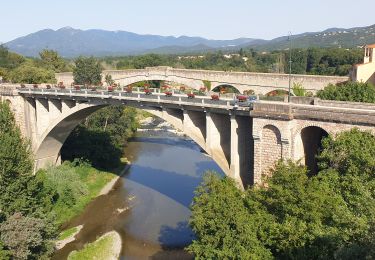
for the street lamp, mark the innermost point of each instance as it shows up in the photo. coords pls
(290, 64)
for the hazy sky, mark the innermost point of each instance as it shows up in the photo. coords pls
(214, 19)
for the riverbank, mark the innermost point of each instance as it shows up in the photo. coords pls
(102, 183)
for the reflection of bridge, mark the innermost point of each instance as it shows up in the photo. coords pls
(244, 142)
(261, 83)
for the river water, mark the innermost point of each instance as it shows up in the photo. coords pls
(149, 205)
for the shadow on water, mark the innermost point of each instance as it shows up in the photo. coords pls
(171, 184)
(170, 240)
(170, 237)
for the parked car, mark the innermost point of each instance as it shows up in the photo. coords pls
(243, 101)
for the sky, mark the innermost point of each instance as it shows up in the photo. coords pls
(212, 19)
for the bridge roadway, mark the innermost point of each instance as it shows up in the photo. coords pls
(244, 141)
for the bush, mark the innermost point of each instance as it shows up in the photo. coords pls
(350, 91)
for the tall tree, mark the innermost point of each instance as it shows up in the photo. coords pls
(87, 71)
(51, 60)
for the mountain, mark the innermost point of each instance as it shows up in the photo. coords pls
(70, 42)
(333, 37)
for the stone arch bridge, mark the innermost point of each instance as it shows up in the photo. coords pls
(244, 141)
(260, 83)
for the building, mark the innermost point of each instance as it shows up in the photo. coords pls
(366, 72)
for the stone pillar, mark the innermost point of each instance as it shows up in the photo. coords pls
(257, 159)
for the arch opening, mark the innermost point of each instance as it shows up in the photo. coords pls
(226, 89)
(311, 138)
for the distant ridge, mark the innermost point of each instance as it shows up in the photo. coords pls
(70, 42)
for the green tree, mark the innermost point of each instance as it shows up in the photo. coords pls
(330, 215)
(21, 192)
(26, 237)
(87, 71)
(222, 224)
(9, 60)
(350, 91)
(51, 60)
(28, 73)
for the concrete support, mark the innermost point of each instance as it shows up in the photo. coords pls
(234, 152)
(218, 139)
(194, 125)
(55, 108)
(174, 116)
(30, 117)
(42, 116)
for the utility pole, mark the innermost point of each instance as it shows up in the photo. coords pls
(290, 64)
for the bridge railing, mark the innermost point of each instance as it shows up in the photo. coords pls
(181, 99)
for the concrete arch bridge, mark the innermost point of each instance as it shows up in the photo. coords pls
(244, 141)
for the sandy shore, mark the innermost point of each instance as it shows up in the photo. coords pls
(108, 187)
(61, 243)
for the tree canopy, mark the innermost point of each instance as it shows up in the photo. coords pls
(350, 91)
(330, 215)
(87, 71)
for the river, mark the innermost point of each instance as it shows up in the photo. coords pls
(149, 205)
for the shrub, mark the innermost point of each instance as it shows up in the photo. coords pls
(350, 91)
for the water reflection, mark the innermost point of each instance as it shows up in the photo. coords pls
(149, 206)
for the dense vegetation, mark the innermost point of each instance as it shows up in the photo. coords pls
(327, 216)
(100, 139)
(321, 61)
(350, 91)
(16, 68)
(25, 222)
(33, 206)
(304, 61)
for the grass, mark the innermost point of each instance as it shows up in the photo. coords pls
(67, 233)
(100, 249)
(93, 180)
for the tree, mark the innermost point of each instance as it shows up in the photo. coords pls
(330, 215)
(9, 60)
(109, 80)
(28, 73)
(222, 224)
(19, 189)
(350, 91)
(52, 61)
(87, 71)
(26, 237)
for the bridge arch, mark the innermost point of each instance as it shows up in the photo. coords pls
(307, 144)
(47, 151)
(126, 81)
(231, 88)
